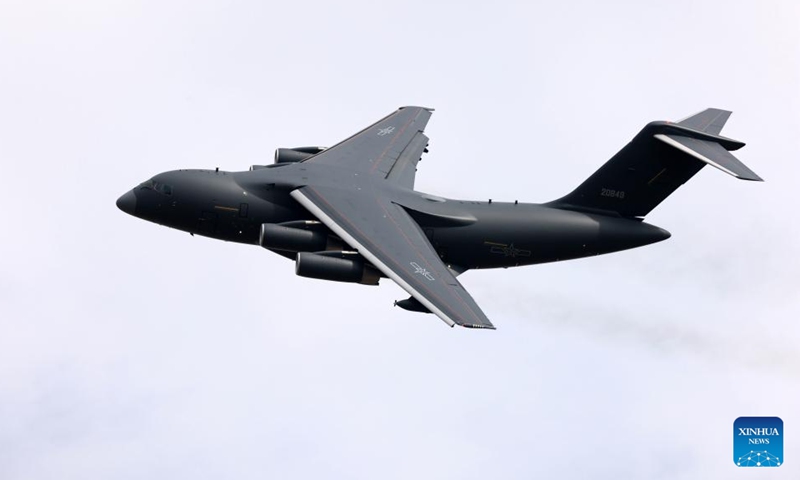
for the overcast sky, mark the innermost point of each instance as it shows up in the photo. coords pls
(130, 351)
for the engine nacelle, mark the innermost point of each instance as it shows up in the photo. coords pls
(290, 239)
(335, 268)
(297, 154)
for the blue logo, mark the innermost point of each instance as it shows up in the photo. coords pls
(758, 442)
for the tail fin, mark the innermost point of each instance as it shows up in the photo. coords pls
(661, 158)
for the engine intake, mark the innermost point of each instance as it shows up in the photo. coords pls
(335, 268)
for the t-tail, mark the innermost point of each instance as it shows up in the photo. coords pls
(655, 163)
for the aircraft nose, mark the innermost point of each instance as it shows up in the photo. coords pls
(127, 202)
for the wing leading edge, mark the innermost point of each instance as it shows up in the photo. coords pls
(388, 237)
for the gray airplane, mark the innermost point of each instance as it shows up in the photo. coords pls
(349, 213)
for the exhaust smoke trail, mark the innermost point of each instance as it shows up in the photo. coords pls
(659, 332)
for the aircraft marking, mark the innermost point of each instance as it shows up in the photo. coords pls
(422, 271)
(610, 192)
(507, 250)
(385, 131)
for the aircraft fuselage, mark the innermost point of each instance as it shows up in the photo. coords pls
(232, 206)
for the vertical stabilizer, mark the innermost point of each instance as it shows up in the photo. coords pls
(661, 158)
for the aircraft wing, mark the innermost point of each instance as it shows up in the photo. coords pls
(391, 240)
(390, 148)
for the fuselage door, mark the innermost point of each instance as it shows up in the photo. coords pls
(207, 224)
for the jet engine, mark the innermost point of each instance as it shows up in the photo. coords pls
(297, 154)
(333, 266)
(301, 236)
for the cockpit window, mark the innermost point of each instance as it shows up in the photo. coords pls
(157, 186)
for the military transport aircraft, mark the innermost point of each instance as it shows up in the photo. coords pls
(350, 213)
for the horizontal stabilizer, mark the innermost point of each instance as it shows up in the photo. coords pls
(711, 153)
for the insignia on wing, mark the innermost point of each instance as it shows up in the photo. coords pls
(422, 271)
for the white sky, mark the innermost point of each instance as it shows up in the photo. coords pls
(128, 350)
